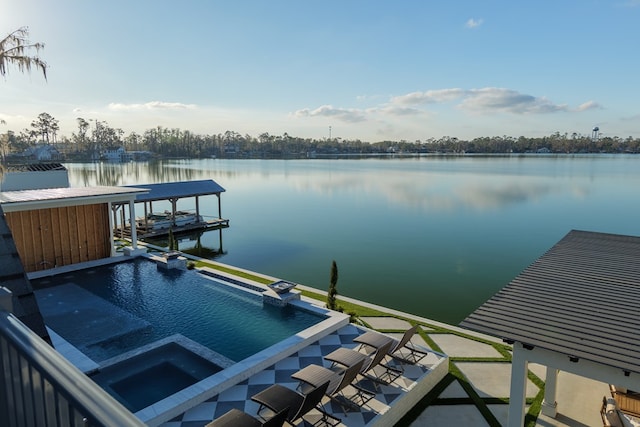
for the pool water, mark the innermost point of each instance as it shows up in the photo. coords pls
(152, 385)
(149, 377)
(162, 302)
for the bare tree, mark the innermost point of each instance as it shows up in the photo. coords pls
(16, 49)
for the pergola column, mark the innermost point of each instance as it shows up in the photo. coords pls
(132, 219)
(518, 393)
(549, 404)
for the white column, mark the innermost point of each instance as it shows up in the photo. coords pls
(111, 225)
(517, 395)
(132, 219)
(549, 404)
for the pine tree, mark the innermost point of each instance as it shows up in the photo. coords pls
(333, 290)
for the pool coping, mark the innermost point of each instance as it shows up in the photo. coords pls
(179, 339)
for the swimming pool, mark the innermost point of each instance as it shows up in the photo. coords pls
(108, 310)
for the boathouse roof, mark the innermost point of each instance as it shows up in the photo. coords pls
(178, 190)
(579, 299)
(48, 197)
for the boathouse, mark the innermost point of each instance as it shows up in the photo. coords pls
(172, 192)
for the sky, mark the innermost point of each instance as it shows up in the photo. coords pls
(354, 69)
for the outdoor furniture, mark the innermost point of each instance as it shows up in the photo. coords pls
(609, 412)
(277, 398)
(627, 401)
(313, 375)
(373, 362)
(238, 418)
(371, 339)
(345, 357)
(402, 350)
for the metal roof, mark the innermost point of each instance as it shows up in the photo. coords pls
(177, 190)
(581, 299)
(36, 167)
(50, 194)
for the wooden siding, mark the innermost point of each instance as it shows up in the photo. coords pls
(54, 237)
(581, 299)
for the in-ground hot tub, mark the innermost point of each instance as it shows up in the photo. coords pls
(157, 371)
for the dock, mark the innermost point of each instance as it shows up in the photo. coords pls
(153, 224)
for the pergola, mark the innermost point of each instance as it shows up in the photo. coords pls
(575, 309)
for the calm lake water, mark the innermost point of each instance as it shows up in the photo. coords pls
(432, 236)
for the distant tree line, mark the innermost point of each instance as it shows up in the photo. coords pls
(94, 136)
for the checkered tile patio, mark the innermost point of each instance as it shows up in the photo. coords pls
(239, 396)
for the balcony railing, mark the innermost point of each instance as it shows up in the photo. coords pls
(38, 387)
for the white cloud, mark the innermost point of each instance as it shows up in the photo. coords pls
(481, 101)
(486, 100)
(474, 23)
(589, 105)
(491, 99)
(153, 105)
(350, 115)
(428, 97)
(397, 111)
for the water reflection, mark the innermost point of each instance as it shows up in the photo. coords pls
(105, 173)
(445, 234)
(434, 186)
(201, 243)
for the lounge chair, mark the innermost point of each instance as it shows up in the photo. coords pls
(371, 369)
(277, 398)
(402, 350)
(338, 381)
(238, 418)
(372, 363)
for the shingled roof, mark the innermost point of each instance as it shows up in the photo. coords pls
(581, 299)
(12, 277)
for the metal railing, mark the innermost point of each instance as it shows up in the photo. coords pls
(38, 387)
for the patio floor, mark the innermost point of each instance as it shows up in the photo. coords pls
(479, 399)
(374, 413)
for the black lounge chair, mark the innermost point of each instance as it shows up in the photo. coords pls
(406, 352)
(338, 381)
(401, 350)
(277, 398)
(238, 418)
(373, 363)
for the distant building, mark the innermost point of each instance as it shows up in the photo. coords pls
(42, 153)
(116, 155)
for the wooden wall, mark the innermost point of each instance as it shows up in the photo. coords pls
(47, 238)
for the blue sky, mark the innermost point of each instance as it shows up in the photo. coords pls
(372, 70)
